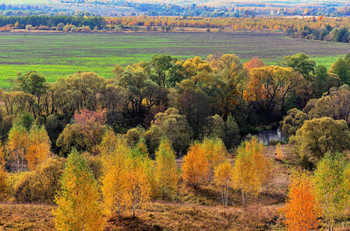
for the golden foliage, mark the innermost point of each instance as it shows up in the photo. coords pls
(166, 174)
(78, 202)
(301, 211)
(17, 145)
(125, 185)
(195, 166)
(252, 169)
(39, 146)
(222, 178)
(279, 152)
(215, 152)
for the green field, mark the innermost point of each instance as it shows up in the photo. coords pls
(58, 54)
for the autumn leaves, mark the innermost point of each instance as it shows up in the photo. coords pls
(33, 146)
(325, 194)
(131, 179)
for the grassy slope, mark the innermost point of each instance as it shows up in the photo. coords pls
(55, 55)
(198, 209)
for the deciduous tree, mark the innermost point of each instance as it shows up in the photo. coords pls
(39, 146)
(167, 174)
(195, 166)
(17, 145)
(293, 121)
(223, 179)
(251, 170)
(78, 202)
(319, 136)
(331, 187)
(301, 211)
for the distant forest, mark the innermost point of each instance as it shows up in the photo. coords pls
(313, 28)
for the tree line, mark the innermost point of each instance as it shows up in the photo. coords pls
(313, 28)
(182, 99)
(51, 21)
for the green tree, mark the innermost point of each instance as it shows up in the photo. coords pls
(175, 127)
(32, 83)
(317, 137)
(231, 132)
(330, 186)
(341, 69)
(293, 121)
(321, 81)
(160, 65)
(300, 62)
(335, 105)
(78, 202)
(215, 127)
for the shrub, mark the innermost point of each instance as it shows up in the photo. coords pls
(60, 27)
(5, 29)
(317, 137)
(43, 28)
(29, 27)
(41, 184)
(95, 163)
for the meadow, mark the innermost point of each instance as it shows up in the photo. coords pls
(59, 55)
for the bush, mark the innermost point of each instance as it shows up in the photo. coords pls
(43, 28)
(40, 185)
(29, 27)
(317, 137)
(5, 29)
(60, 27)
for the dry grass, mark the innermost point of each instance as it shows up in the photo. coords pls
(26, 217)
(194, 209)
(178, 216)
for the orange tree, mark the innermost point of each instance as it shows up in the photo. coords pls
(195, 166)
(301, 211)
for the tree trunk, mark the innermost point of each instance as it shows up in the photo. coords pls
(244, 199)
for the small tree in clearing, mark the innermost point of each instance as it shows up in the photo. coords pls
(78, 202)
(115, 180)
(251, 170)
(301, 210)
(138, 186)
(195, 166)
(222, 179)
(167, 174)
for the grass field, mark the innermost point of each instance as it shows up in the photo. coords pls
(58, 54)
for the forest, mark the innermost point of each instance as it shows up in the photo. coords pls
(312, 28)
(169, 140)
